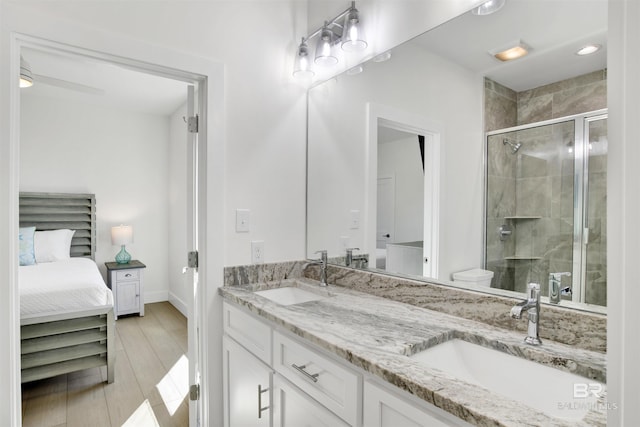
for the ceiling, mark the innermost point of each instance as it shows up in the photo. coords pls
(554, 29)
(76, 78)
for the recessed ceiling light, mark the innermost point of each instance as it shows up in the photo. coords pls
(512, 51)
(382, 57)
(355, 70)
(588, 49)
(488, 7)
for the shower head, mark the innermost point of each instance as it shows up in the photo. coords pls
(515, 146)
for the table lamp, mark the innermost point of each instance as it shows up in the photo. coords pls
(122, 235)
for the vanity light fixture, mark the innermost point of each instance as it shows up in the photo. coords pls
(26, 78)
(488, 7)
(301, 67)
(345, 29)
(514, 50)
(588, 49)
(324, 56)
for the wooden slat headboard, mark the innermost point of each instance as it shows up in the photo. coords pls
(52, 211)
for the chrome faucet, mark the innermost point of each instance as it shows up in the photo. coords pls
(349, 258)
(532, 306)
(322, 262)
(555, 292)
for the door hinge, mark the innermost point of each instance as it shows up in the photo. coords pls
(192, 124)
(194, 392)
(192, 259)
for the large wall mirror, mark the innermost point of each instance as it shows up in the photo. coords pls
(399, 154)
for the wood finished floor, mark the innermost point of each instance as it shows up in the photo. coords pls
(151, 374)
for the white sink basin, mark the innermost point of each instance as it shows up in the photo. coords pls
(290, 295)
(541, 387)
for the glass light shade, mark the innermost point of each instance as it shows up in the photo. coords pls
(353, 37)
(26, 78)
(301, 67)
(488, 7)
(324, 56)
(121, 235)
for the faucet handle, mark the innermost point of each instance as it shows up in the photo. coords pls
(323, 255)
(534, 291)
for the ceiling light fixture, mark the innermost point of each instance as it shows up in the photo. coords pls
(385, 56)
(588, 49)
(488, 7)
(345, 29)
(355, 70)
(26, 78)
(512, 51)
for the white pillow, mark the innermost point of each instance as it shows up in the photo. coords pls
(54, 245)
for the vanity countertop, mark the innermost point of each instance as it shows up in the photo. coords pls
(377, 335)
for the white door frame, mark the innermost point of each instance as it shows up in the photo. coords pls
(152, 60)
(416, 124)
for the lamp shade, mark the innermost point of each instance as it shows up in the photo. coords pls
(121, 235)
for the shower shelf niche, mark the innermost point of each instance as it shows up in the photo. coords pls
(522, 258)
(515, 217)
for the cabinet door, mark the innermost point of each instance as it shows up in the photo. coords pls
(246, 389)
(385, 409)
(128, 297)
(294, 408)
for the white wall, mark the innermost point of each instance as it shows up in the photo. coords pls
(623, 211)
(401, 159)
(178, 209)
(120, 156)
(431, 87)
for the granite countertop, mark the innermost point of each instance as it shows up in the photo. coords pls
(378, 335)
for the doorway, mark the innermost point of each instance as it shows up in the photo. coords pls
(193, 169)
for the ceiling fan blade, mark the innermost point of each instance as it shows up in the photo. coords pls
(52, 81)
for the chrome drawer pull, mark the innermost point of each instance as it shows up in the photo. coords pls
(312, 377)
(260, 408)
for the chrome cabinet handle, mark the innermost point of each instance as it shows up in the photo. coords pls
(312, 377)
(260, 408)
(127, 275)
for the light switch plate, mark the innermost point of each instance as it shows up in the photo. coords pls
(257, 251)
(243, 220)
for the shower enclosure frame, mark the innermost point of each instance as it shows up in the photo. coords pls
(580, 189)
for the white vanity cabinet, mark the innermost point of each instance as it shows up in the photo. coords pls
(247, 387)
(384, 408)
(295, 384)
(292, 407)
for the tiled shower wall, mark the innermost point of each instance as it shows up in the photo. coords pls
(530, 183)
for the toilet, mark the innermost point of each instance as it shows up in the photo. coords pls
(476, 276)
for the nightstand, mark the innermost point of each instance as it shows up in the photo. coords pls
(126, 283)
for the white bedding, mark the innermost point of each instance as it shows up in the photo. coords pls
(61, 287)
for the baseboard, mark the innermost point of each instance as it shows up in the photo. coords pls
(157, 296)
(179, 304)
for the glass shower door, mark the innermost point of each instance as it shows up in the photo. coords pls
(594, 274)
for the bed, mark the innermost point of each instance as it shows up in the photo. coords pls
(66, 321)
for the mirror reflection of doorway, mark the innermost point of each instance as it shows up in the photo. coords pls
(400, 206)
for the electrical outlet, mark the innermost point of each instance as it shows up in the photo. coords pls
(344, 242)
(242, 220)
(257, 252)
(354, 219)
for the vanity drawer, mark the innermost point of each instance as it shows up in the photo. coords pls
(331, 384)
(250, 332)
(128, 275)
